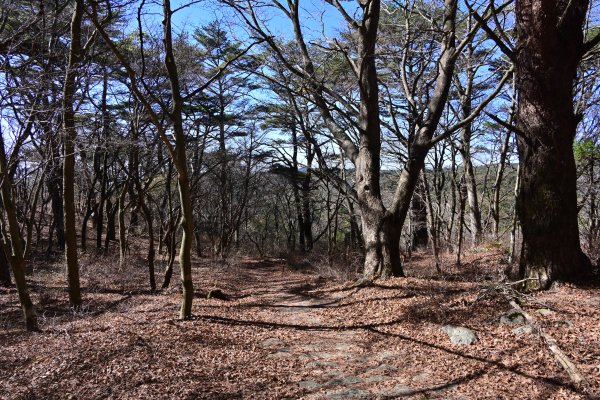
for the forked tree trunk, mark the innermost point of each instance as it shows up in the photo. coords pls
(550, 46)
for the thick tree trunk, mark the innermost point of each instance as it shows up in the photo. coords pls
(550, 46)
(306, 206)
(368, 159)
(69, 157)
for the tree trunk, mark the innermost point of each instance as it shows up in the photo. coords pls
(495, 207)
(550, 46)
(4, 269)
(419, 234)
(69, 157)
(54, 184)
(472, 200)
(185, 197)
(12, 244)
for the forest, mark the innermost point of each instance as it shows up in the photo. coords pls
(300, 199)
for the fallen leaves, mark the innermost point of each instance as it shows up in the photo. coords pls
(369, 341)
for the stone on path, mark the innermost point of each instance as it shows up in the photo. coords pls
(309, 384)
(525, 329)
(271, 343)
(396, 391)
(351, 393)
(460, 334)
(345, 381)
(512, 318)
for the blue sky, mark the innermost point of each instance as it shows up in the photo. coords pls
(316, 15)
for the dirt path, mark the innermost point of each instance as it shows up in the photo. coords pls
(336, 362)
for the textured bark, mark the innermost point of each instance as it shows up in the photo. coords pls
(550, 46)
(368, 159)
(69, 132)
(4, 270)
(54, 185)
(185, 198)
(12, 244)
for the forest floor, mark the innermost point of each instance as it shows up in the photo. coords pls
(286, 333)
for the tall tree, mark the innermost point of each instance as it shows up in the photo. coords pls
(550, 45)
(69, 135)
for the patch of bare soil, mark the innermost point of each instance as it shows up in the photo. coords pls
(292, 334)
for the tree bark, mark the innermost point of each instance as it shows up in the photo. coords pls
(12, 244)
(4, 270)
(185, 198)
(550, 46)
(75, 56)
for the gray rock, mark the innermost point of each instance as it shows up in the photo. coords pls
(381, 368)
(512, 318)
(396, 391)
(344, 381)
(283, 353)
(351, 393)
(271, 343)
(460, 335)
(376, 378)
(382, 355)
(525, 329)
(310, 384)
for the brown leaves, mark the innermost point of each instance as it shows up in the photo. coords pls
(288, 334)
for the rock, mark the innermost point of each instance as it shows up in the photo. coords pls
(376, 378)
(512, 318)
(525, 329)
(283, 353)
(351, 393)
(320, 364)
(344, 381)
(216, 294)
(544, 312)
(271, 343)
(382, 355)
(396, 391)
(381, 368)
(460, 335)
(310, 384)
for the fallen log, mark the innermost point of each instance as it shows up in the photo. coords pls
(576, 376)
